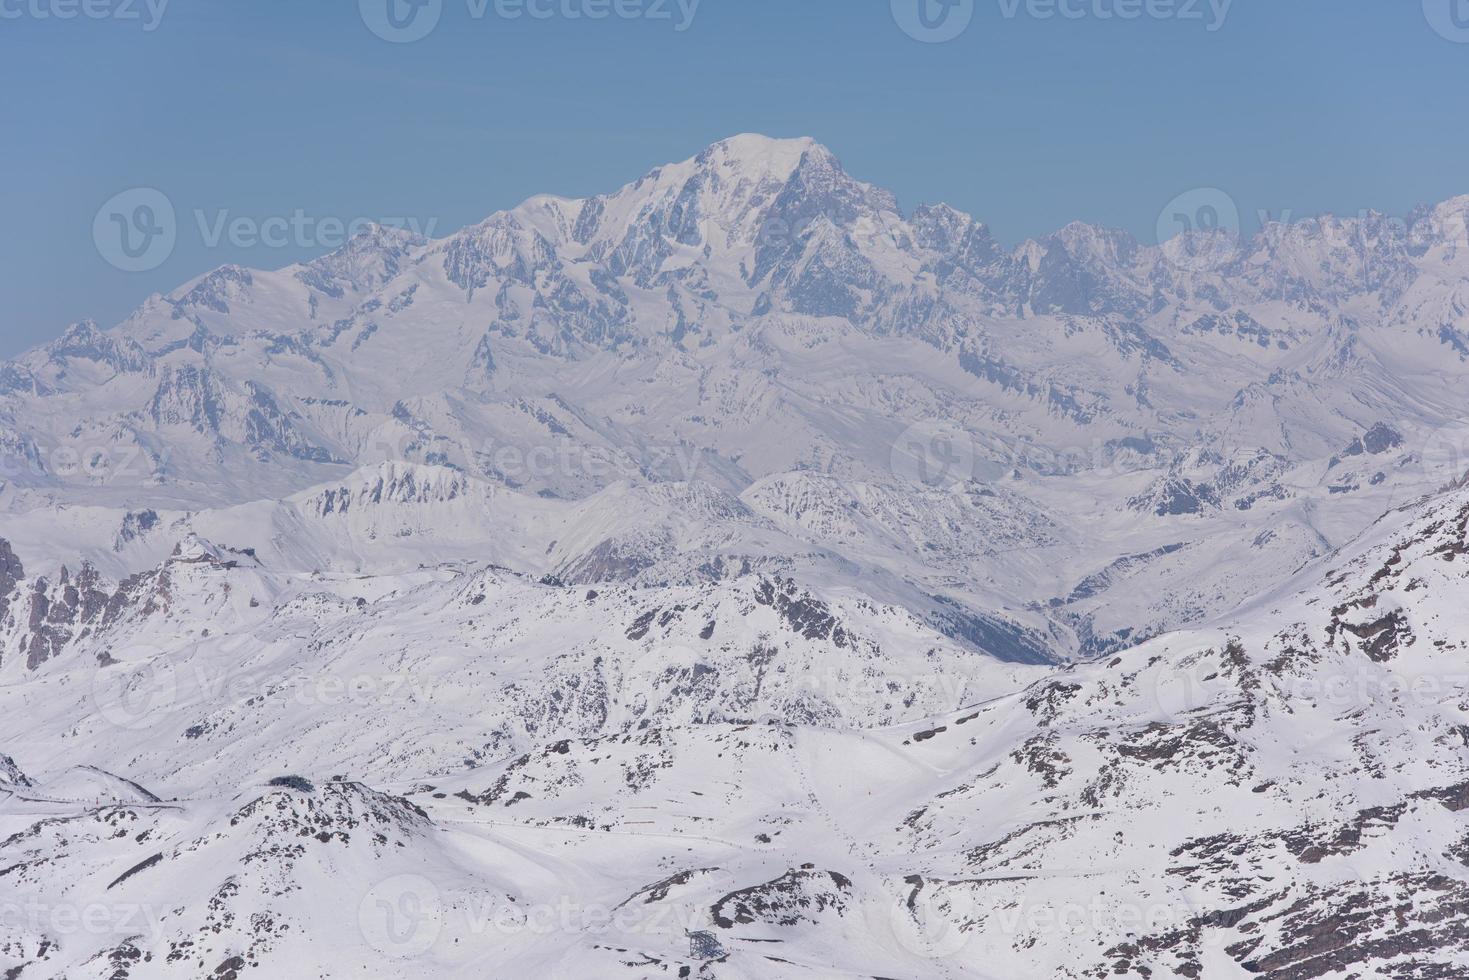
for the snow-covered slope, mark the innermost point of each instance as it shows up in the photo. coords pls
(1278, 793)
(737, 575)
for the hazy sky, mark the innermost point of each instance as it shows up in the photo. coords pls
(1037, 113)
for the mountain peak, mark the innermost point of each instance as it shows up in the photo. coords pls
(82, 330)
(753, 151)
(1449, 221)
(370, 258)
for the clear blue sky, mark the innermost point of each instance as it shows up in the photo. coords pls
(265, 107)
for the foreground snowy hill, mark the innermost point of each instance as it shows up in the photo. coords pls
(1280, 793)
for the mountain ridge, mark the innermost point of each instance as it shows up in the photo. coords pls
(753, 317)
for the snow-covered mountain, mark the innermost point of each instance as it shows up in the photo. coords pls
(746, 781)
(1040, 425)
(736, 575)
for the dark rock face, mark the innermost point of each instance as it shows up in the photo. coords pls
(84, 341)
(796, 897)
(43, 617)
(1342, 929)
(1383, 638)
(10, 774)
(802, 613)
(1240, 325)
(298, 783)
(996, 636)
(214, 291)
(1177, 496)
(197, 397)
(135, 524)
(1452, 798)
(64, 612)
(12, 573)
(1311, 845)
(609, 561)
(1071, 403)
(138, 868)
(1379, 439)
